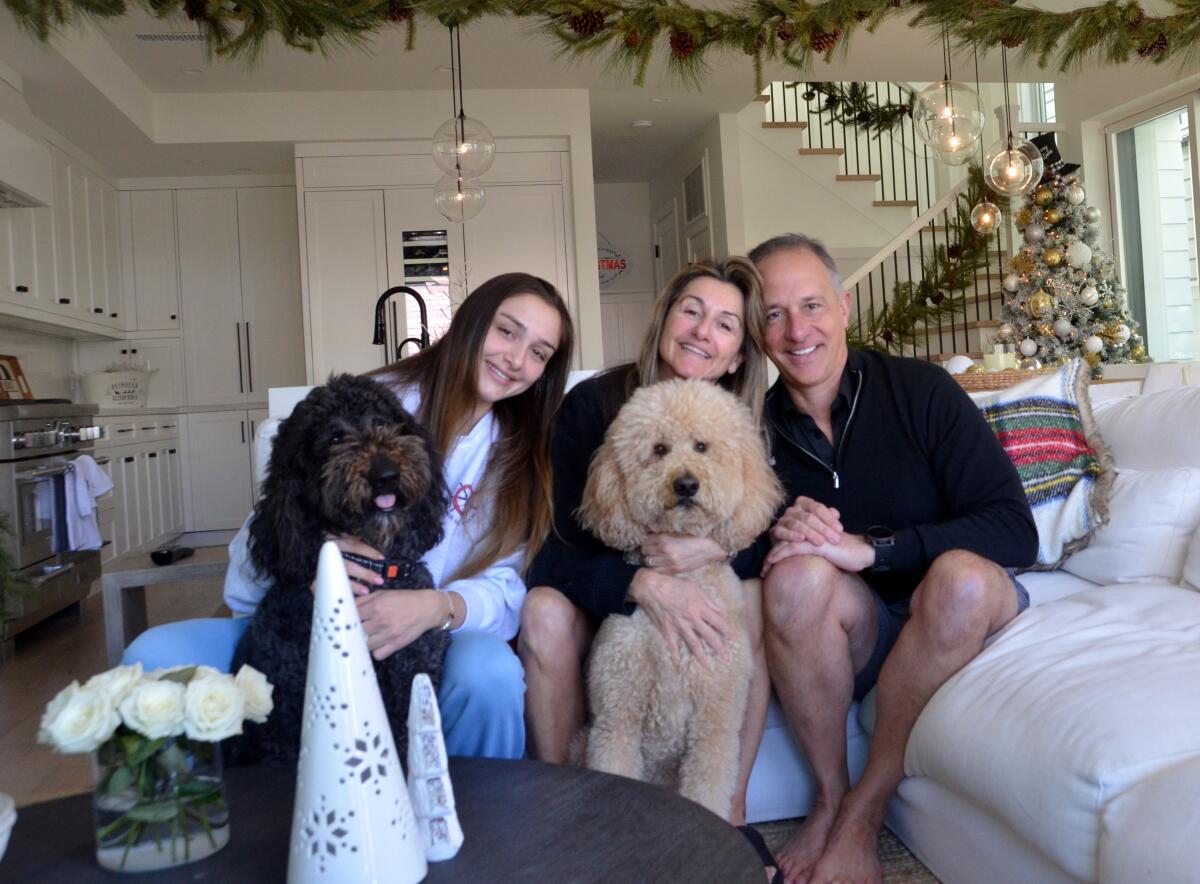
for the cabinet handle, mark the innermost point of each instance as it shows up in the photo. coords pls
(249, 359)
(97, 309)
(172, 450)
(130, 430)
(123, 352)
(64, 300)
(152, 454)
(113, 315)
(22, 289)
(167, 427)
(173, 316)
(130, 459)
(237, 336)
(133, 351)
(242, 424)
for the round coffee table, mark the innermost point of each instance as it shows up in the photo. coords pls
(524, 821)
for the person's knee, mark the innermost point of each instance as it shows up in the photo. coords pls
(549, 625)
(798, 592)
(954, 602)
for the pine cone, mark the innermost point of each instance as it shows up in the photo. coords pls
(683, 44)
(398, 11)
(1138, 17)
(1155, 47)
(1011, 42)
(587, 24)
(196, 10)
(633, 39)
(824, 41)
(786, 32)
(861, 16)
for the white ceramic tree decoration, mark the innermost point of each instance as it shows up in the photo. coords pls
(353, 820)
(429, 774)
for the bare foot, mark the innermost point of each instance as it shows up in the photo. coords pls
(804, 848)
(851, 854)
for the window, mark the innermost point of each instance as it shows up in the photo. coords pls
(1155, 197)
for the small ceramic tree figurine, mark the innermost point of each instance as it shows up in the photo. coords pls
(429, 774)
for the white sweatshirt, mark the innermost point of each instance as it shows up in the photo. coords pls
(493, 597)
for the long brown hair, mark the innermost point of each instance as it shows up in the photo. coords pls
(517, 482)
(749, 382)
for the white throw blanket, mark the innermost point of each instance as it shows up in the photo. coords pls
(84, 484)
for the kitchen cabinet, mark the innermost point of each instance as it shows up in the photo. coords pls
(163, 355)
(219, 445)
(239, 292)
(144, 462)
(151, 254)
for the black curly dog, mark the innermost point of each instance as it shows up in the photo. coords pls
(349, 460)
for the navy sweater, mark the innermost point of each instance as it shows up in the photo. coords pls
(916, 457)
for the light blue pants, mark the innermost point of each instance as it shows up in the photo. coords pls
(482, 695)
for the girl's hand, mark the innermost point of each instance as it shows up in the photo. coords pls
(680, 553)
(682, 613)
(394, 619)
(362, 580)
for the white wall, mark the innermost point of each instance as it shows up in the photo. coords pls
(667, 184)
(47, 362)
(623, 223)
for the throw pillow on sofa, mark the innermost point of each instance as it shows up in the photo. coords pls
(1045, 425)
(1191, 568)
(1153, 516)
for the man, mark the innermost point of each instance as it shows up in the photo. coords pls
(892, 563)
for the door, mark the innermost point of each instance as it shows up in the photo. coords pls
(222, 491)
(211, 295)
(175, 475)
(111, 229)
(347, 271)
(126, 488)
(272, 307)
(155, 282)
(97, 310)
(666, 247)
(81, 252)
(522, 227)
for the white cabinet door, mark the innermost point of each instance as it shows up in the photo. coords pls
(273, 328)
(151, 494)
(97, 310)
(20, 283)
(175, 473)
(347, 271)
(64, 234)
(8, 254)
(127, 492)
(211, 296)
(45, 283)
(155, 282)
(111, 230)
(256, 417)
(219, 463)
(522, 228)
(81, 252)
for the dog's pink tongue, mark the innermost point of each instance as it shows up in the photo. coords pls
(385, 501)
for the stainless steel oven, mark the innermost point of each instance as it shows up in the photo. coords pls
(39, 443)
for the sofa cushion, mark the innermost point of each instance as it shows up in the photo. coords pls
(1045, 425)
(1154, 431)
(1191, 568)
(1073, 703)
(1132, 848)
(1153, 516)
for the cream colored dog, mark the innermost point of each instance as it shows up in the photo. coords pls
(682, 457)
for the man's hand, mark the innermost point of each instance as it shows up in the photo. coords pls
(680, 553)
(394, 619)
(808, 521)
(682, 612)
(853, 554)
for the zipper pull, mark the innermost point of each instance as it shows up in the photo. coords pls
(837, 482)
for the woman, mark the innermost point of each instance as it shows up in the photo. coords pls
(487, 391)
(707, 323)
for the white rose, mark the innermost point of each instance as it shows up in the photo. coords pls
(78, 720)
(115, 683)
(208, 672)
(256, 693)
(154, 709)
(213, 709)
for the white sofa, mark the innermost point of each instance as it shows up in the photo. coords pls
(1069, 750)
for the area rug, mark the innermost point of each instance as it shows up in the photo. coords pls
(899, 866)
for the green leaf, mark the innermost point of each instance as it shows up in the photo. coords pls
(119, 780)
(156, 812)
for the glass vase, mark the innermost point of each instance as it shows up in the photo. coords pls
(158, 803)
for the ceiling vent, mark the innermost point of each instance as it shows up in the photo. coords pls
(170, 38)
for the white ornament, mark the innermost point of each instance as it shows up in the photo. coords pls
(958, 364)
(1034, 233)
(1089, 295)
(1093, 344)
(1078, 254)
(1063, 328)
(1005, 331)
(1075, 194)
(352, 819)
(429, 774)
(1091, 215)
(1123, 333)
(1028, 347)
(1012, 282)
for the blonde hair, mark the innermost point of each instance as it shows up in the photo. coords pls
(749, 382)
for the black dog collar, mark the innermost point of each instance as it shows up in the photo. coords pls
(396, 573)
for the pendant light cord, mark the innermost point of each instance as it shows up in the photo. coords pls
(1007, 100)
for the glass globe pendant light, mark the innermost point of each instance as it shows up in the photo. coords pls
(985, 216)
(1009, 167)
(459, 199)
(463, 148)
(947, 116)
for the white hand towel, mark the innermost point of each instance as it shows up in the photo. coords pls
(84, 484)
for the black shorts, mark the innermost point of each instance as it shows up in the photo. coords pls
(892, 618)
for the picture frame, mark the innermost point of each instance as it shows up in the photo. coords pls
(13, 384)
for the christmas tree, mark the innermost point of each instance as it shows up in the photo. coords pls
(1062, 297)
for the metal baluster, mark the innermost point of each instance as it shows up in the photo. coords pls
(908, 259)
(892, 149)
(921, 253)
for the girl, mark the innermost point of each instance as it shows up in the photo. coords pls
(487, 391)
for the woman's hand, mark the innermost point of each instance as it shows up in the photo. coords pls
(362, 580)
(680, 553)
(807, 521)
(394, 619)
(682, 613)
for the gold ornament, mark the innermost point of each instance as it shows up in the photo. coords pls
(1040, 304)
(1043, 196)
(1093, 359)
(1053, 215)
(1045, 329)
(1023, 263)
(1024, 217)
(1063, 359)
(1108, 304)
(1138, 353)
(1052, 257)
(975, 368)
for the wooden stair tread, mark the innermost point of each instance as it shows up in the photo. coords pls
(785, 125)
(820, 151)
(973, 325)
(910, 204)
(763, 98)
(858, 177)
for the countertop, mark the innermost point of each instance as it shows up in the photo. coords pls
(178, 409)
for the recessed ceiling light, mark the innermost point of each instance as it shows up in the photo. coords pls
(193, 72)
(659, 99)
(442, 69)
(642, 124)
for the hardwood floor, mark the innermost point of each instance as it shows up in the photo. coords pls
(48, 657)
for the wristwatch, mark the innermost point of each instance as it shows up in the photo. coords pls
(884, 541)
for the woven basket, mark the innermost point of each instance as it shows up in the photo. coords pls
(982, 381)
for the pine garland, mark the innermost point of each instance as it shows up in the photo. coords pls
(856, 104)
(947, 273)
(632, 32)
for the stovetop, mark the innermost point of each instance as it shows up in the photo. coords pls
(21, 409)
